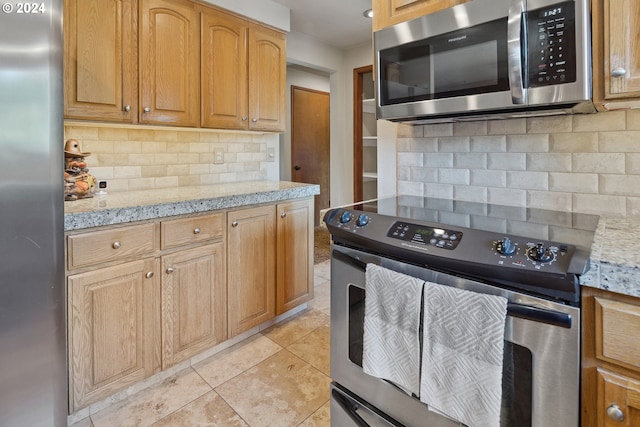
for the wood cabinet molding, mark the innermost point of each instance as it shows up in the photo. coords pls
(390, 12)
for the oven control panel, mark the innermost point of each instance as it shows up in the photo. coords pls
(425, 235)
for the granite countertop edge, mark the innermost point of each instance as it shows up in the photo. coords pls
(615, 259)
(138, 206)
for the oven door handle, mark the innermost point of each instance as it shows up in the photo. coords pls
(355, 262)
(349, 408)
(541, 315)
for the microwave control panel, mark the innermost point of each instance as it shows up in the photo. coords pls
(551, 45)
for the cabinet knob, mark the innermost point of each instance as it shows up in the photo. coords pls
(234, 224)
(254, 120)
(196, 230)
(115, 245)
(244, 118)
(170, 270)
(618, 72)
(283, 215)
(147, 110)
(127, 108)
(615, 413)
(149, 275)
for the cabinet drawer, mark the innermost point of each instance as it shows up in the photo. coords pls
(118, 243)
(617, 325)
(191, 230)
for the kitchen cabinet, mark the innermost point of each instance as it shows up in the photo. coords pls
(113, 309)
(169, 62)
(100, 60)
(611, 359)
(390, 12)
(616, 56)
(251, 267)
(294, 254)
(194, 294)
(365, 144)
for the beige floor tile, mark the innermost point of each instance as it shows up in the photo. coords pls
(314, 349)
(155, 403)
(320, 418)
(281, 391)
(86, 422)
(293, 329)
(323, 270)
(321, 297)
(236, 359)
(209, 410)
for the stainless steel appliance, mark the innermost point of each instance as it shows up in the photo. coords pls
(485, 248)
(486, 58)
(33, 386)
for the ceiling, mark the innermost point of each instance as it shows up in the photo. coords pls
(338, 23)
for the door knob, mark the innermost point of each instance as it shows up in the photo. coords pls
(296, 167)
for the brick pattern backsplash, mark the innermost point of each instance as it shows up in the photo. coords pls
(581, 163)
(140, 158)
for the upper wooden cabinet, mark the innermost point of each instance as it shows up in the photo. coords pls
(243, 74)
(389, 12)
(169, 62)
(99, 61)
(616, 54)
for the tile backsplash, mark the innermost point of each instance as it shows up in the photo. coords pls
(142, 157)
(581, 163)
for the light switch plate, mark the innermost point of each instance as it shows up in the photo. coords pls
(271, 154)
(218, 157)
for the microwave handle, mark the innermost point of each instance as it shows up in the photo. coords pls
(514, 50)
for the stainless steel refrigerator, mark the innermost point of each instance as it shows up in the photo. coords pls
(33, 384)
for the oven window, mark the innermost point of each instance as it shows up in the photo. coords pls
(463, 62)
(517, 368)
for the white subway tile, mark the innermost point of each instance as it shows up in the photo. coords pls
(573, 182)
(554, 200)
(423, 174)
(142, 183)
(102, 173)
(127, 172)
(128, 147)
(470, 128)
(166, 182)
(585, 142)
(507, 161)
(443, 191)
(599, 162)
(624, 185)
(470, 193)
(507, 196)
(536, 143)
(453, 176)
(438, 160)
(442, 129)
(488, 144)
(508, 126)
(528, 180)
(620, 142)
(488, 178)
(409, 131)
(549, 124)
(410, 188)
(605, 121)
(410, 159)
(470, 160)
(549, 162)
(599, 204)
(404, 173)
(154, 171)
(424, 145)
(453, 144)
(141, 159)
(633, 119)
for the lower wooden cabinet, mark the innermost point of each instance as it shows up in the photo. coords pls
(251, 267)
(294, 254)
(113, 329)
(194, 302)
(611, 360)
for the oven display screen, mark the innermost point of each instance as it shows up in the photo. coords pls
(425, 235)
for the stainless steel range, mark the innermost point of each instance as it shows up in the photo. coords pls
(531, 257)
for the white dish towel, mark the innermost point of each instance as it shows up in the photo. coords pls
(391, 348)
(463, 345)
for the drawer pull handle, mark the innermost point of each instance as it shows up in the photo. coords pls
(615, 413)
(283, 215)
(149, 275)
(170, 270)
(234, 224)
(618, 72)
(196, 230)
(116, 245)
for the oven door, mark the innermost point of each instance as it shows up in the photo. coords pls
(542, 358)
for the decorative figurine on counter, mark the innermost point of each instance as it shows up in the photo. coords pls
(78, 182)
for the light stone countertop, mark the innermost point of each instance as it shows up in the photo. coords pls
(615, 256)
(124, 207)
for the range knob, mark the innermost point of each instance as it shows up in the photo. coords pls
(506, 247)
(345, 217)
(540, 253)
(362, 220)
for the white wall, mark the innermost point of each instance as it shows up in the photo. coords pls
(304, 79)
(265, 11)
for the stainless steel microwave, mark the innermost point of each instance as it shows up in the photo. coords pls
(486, 59)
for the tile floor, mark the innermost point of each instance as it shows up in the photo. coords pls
(276, 378)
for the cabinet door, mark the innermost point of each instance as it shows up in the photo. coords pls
(113, 330)
(169, 63)
(618, 396)
(295, 254)
(621, 50)
(389, 12)
(267, 79)
(99, 60)
(251, 274)
(194, 315)
(224, 71)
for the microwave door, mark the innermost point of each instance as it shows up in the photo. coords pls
(514, 48)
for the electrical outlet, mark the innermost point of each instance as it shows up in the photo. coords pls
(271, 154)
(218, 157)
